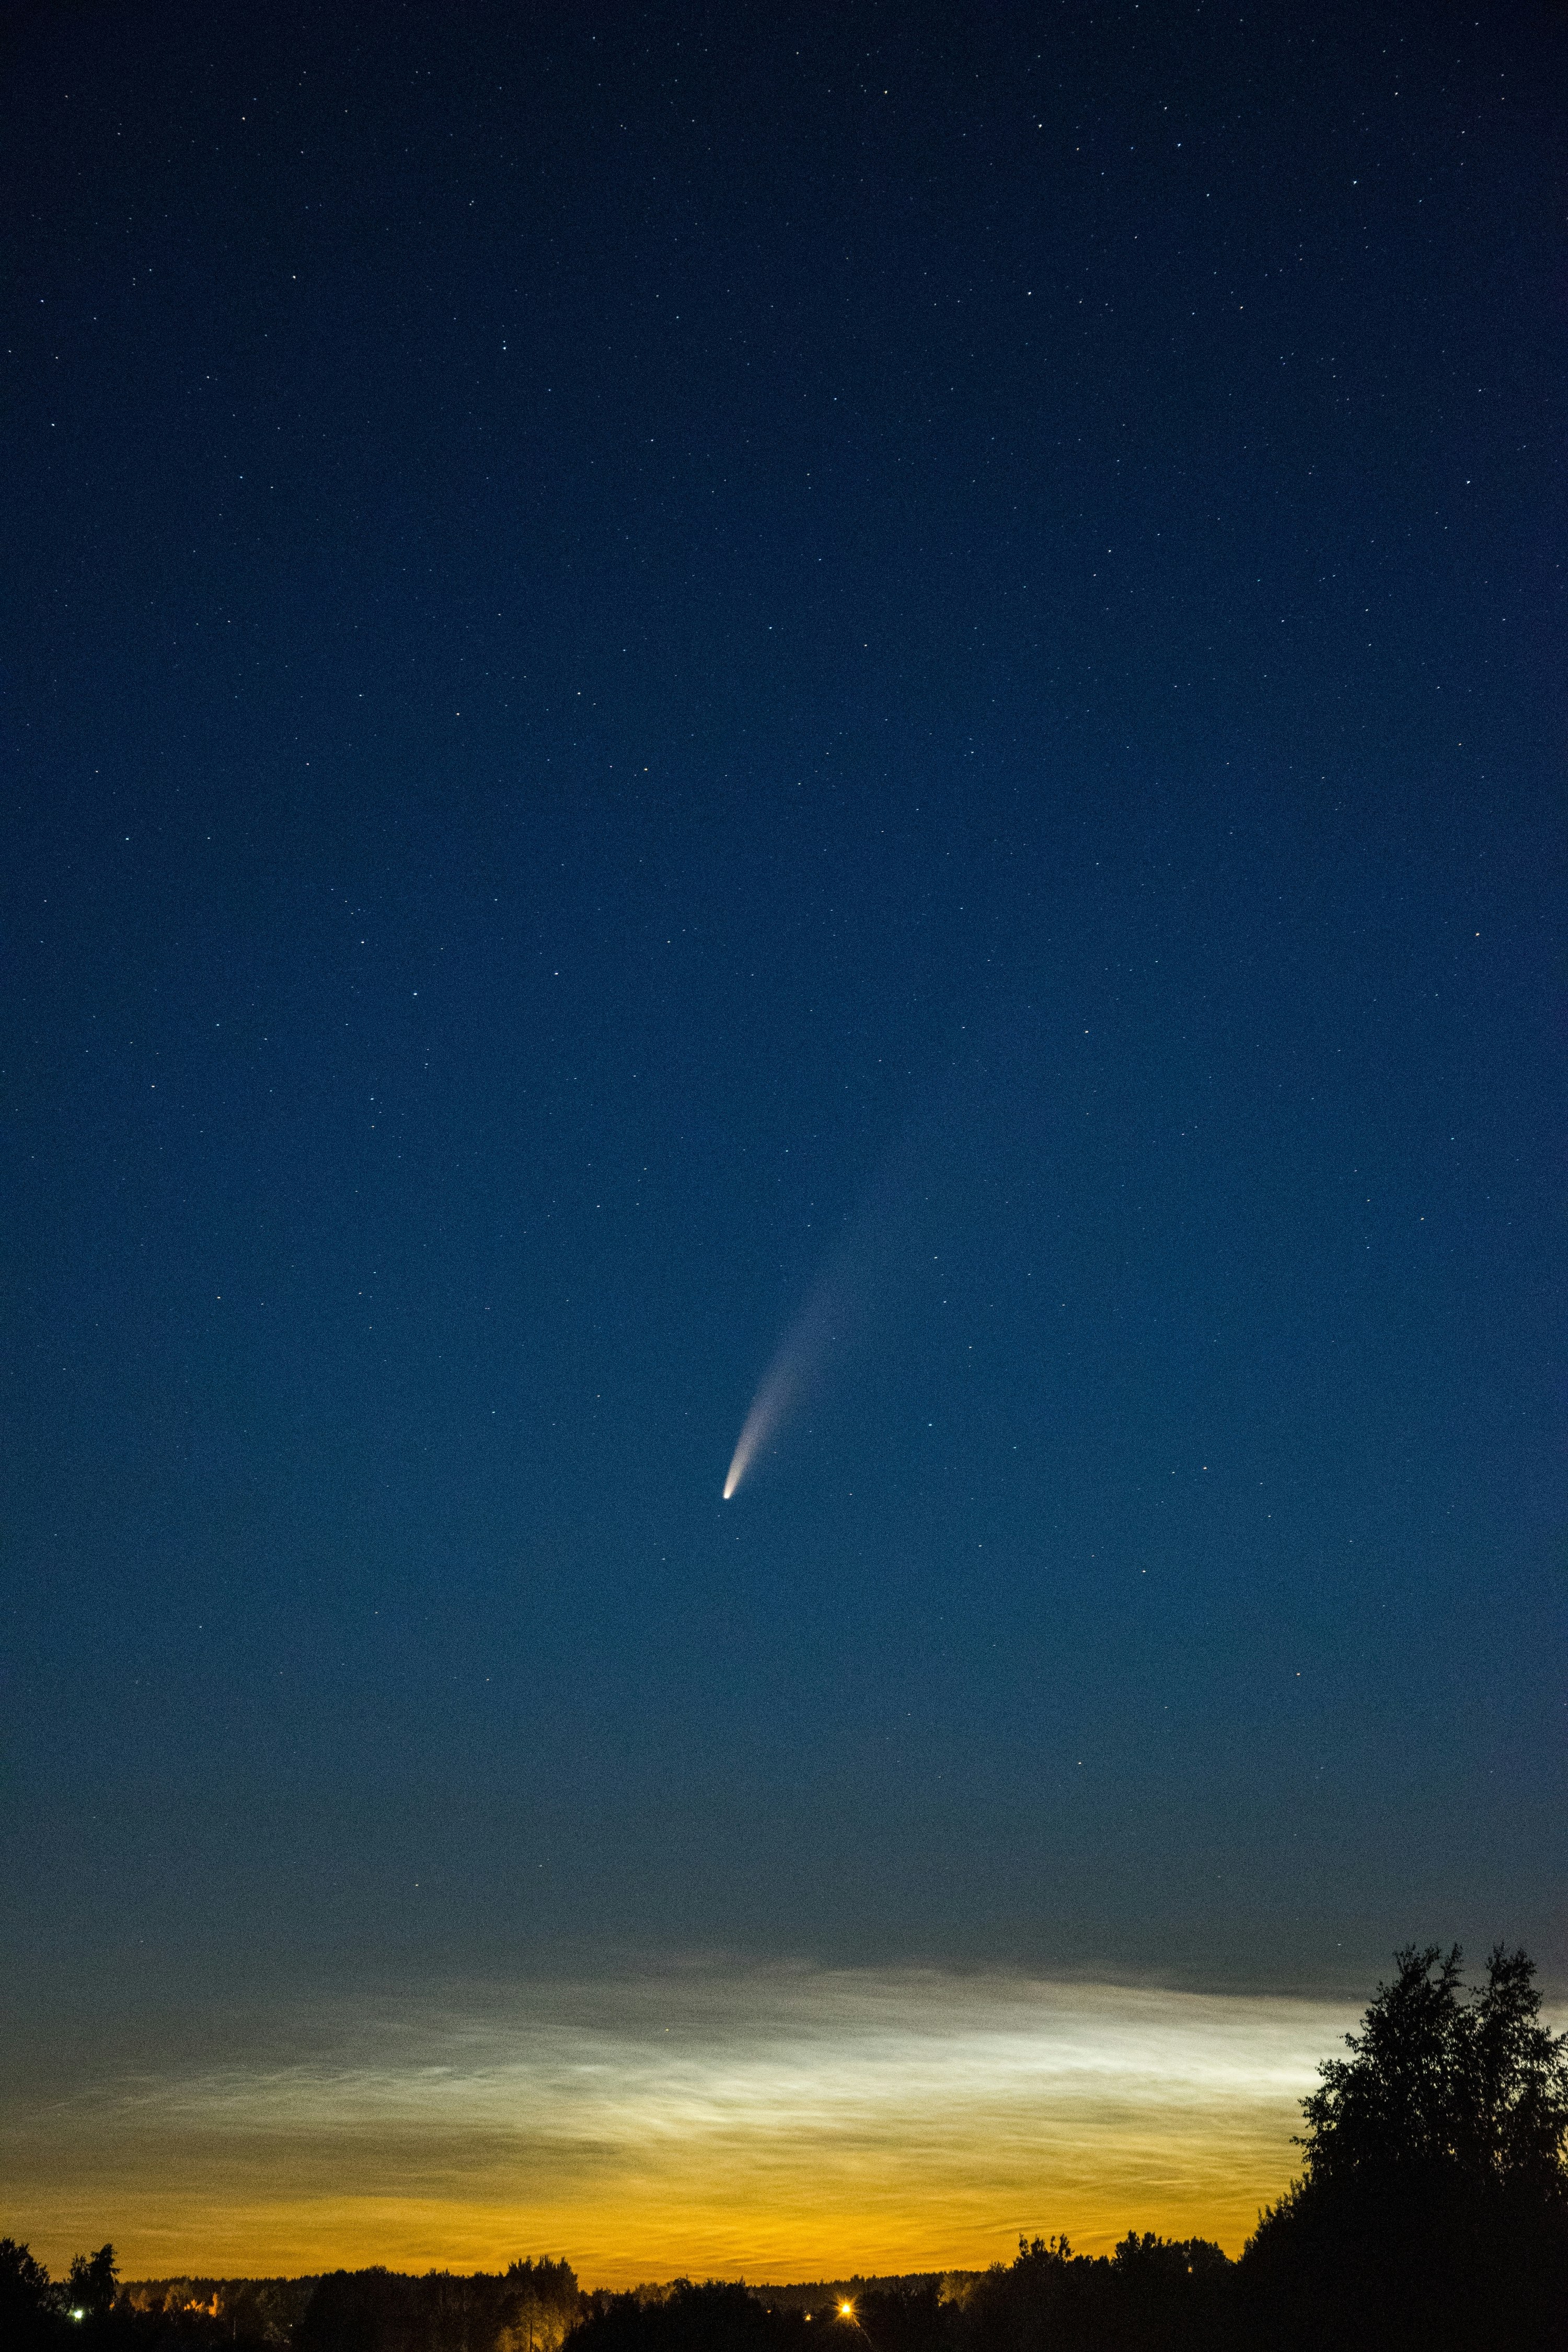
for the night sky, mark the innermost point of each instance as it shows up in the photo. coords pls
(669, 670)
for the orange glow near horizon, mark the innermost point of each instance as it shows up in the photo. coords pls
(791, 2124)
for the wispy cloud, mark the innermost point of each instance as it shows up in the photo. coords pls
(779, 2121)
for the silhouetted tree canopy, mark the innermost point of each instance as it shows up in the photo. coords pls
(88, 2311)
(527, 2308)
(1433, 2209)
(28, 2303)
(91, 2283)
(715, 2318)
(1438, 2076)
(1153, 2294)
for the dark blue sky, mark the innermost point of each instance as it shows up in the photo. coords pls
(637, 641)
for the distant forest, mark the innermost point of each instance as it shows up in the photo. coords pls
(1431, 2215)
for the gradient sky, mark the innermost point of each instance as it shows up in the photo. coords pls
(669, 670)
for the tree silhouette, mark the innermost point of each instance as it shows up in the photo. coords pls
(1517, 2082)
(711, 2317)
(91, 2282)
(1433, 2209)
(1478, 2084)
(29, 2305)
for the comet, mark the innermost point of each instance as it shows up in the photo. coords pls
(899, 1231)
(798, 1362)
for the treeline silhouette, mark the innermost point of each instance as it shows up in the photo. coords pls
(531, 2307)
(1431, 2215)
